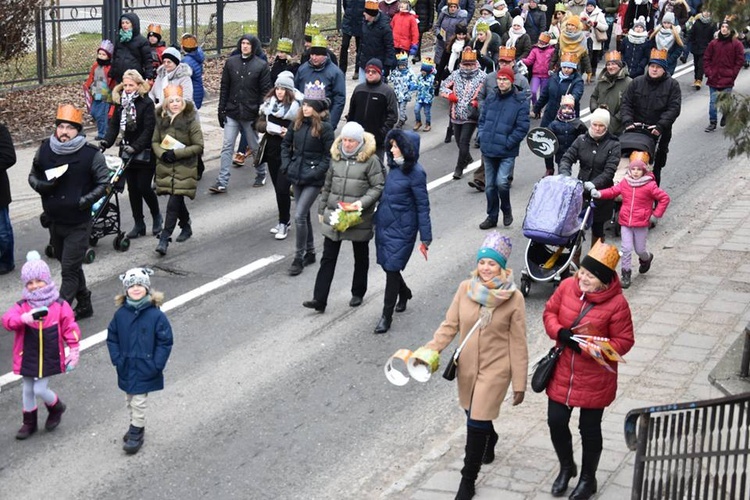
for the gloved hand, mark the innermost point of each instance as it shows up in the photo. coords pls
(129, 150)
(222, 118)
(588, 186)
(438, 36)
(564, 336)
(168, 156)
(452, 97)
(595, 193)
(413, 50)
(28, 319)
(537, 115)
(83, 204)
(103, 146)
(71, 360)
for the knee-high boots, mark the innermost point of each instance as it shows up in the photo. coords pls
(568, 469)
(586, 486)
(478, 443)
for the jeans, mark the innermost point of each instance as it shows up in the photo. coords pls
(99, 112)
(537, 87)
(497, 186)
(427, 108)
(272, 156)
(7, 261)
(304, 197)
(712, 95)
(70, 243)
(231, 131)
(402, 111)
(344, 54)
(633, 238)
(327, 268)
(463, 133)
(139, 190)
(589, 425)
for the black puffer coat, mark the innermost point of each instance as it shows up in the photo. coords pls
(425, 11)
(377, 42)
(245, 81)
(305, 159)
(134, 54)
(597, 159)
(351, 23)
(653, 101)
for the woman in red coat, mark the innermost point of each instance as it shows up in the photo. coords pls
(592, 296)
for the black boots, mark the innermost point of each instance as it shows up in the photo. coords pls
(186, 233)
(625, 280)
(134, 440)
(29, 425)
(448, 134)
(489, 450)
(157, 225)
(402, 300)
(161, 248)
(568, 469)
(138, 230)
(83, 309)
(477, 442)
(55, 414)
(587, 484)
(645, 265)
(385, 323)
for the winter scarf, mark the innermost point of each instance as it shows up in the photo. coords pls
(353, 154)
(490, 294)
(276, 108)
(514, 35)
(594, 135)
(566, 114)
(637, 38)
(138, 304)
(642, 181)
(456, 49)
(574, 43)
(126, 36)
(665, 39)
(128, 109)
(67, 148)
(40, 297)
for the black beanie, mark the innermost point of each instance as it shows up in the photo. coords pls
(318, 105)
(598, 269)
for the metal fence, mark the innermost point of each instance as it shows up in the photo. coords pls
(695, 450)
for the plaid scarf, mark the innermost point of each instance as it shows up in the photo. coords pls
(490, 294)
(127, 117)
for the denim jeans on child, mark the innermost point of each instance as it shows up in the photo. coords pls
(427, 108)
(99, 111)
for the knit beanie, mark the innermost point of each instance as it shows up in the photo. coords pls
(668, 18)
(506, 72)
(35, 269)
(353, 130)
(496, 247)
(285, 80)
(172, 54)
(639, 164)
(600, 115)
(375, 64)
(137, 276)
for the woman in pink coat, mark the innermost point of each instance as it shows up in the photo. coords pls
(639, 192)
(592, 297)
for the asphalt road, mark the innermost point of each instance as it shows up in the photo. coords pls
(266, 399)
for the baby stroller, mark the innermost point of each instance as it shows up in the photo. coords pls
(636, 140)
(555, 224)
(105, 213)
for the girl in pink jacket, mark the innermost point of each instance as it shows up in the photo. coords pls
(43, 323)
(539, 59)
(639, 192)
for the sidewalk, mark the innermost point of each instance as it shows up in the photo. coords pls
(687, 312)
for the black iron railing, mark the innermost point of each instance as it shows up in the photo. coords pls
(696, 450)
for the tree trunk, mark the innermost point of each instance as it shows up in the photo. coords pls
(289, 18)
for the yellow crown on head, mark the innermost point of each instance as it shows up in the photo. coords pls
(612, 55)
(172, 90)
(506, 53)
(370, 5)
(69, 113)
(468, 55)
(571, 57)
(605, 254)
(481, 27)
(250, 29)
(658, 54)
(640, 155)
(312, 29)
(189, 41)
(285, 45)
(320, 42)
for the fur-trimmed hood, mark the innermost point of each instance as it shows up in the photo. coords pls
(408, 142)
(157, 298)
(368, 149)
(143, 89)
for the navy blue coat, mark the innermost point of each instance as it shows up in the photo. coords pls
(503, 123)
(377, 42)
(195, 61)
(552, 93)
(139, 343)
(351, 23)
(635, 56)
(404, 206)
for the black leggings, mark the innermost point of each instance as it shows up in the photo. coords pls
(272, 157)
(176, 211)
(589, 425)
(139, 190)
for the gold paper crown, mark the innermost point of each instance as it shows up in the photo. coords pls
(172, 90)
(612, 55)
(250, 29)
(319, 41)
(154, 28)
(69, 113)
(481, 26)
(560, 7)
(285, 45)
(452, 2)
(369, 5)
(468, 55)
(658, 54)
(605, 254)
(571, 57)
(544, 37)
(506, 54)
(312, 29)
(640, 155)
(402, 57)
(189, 41)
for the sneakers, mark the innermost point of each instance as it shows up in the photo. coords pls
(488, 223)
(275, 229)
(217, 189)
(427, 128)
(697, 84)
(711, 127)
(260, 181)
(282, 231)
(417, 126)
(645, 265)
(507, 219)
(238, 160)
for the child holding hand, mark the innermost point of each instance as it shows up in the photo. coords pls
(639, 192)
(424, 95)
(41, 320)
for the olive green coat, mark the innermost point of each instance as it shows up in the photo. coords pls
(180, 177)
(359, 179)
(609, 91)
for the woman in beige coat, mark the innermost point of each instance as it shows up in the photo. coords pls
(494, 357)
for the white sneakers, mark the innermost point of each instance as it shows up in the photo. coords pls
(280, 230)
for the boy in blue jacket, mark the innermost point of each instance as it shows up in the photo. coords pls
(139, 339)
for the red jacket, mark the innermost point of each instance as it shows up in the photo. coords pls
(722, 62)
(405, 30)
(637, 202)
(578, 380)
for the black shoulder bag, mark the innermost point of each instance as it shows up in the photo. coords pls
(450, 370)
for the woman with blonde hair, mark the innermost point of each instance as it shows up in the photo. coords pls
(177, 143)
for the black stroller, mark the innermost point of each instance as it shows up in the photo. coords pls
(555, 224)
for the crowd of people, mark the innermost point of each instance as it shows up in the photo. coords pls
(500, 72)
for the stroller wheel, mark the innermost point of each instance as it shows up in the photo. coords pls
(93, 241)
(90, 256)
(49, 251)
(121, 243)
(525, 286)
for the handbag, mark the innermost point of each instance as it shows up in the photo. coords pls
(450, 370)
(601, 36)
(546, 366)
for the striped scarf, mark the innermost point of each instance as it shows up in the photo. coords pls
(490, 294)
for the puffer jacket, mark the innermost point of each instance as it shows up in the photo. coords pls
(700, 35)
(445, 28)
(134, 54)
(523, 45)
(723, 61)
(635, 56)
(348, 180)
(138, 135)
(245, 81)
(578, 380)
(351, 23)
(377, 42)
(180, 177)
(425, 10)
(404, 207)
(139, 343)
(638, 201)
(405, 29)
(557, 87)
(597, 160)
(180, 77)
(566, 133)
(33, 351)
(305, 159)
(539, 59)
(652, 101)
(609, 91)
(195, 60)
(466, 85)
(503, 123)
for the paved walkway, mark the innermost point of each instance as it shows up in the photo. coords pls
(687, 311)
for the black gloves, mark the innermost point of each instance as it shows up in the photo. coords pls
(564, 336)
(222, 118)
(168, 156)
(103, 146)
(83, 204)
(128, 150)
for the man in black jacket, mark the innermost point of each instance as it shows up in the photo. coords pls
(377, 41)
(245, 81)
(373, 105)
(71, 175)
(7, 160)
(654, 100)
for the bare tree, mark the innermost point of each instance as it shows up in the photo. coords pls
(17, 27)
(289, 18)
